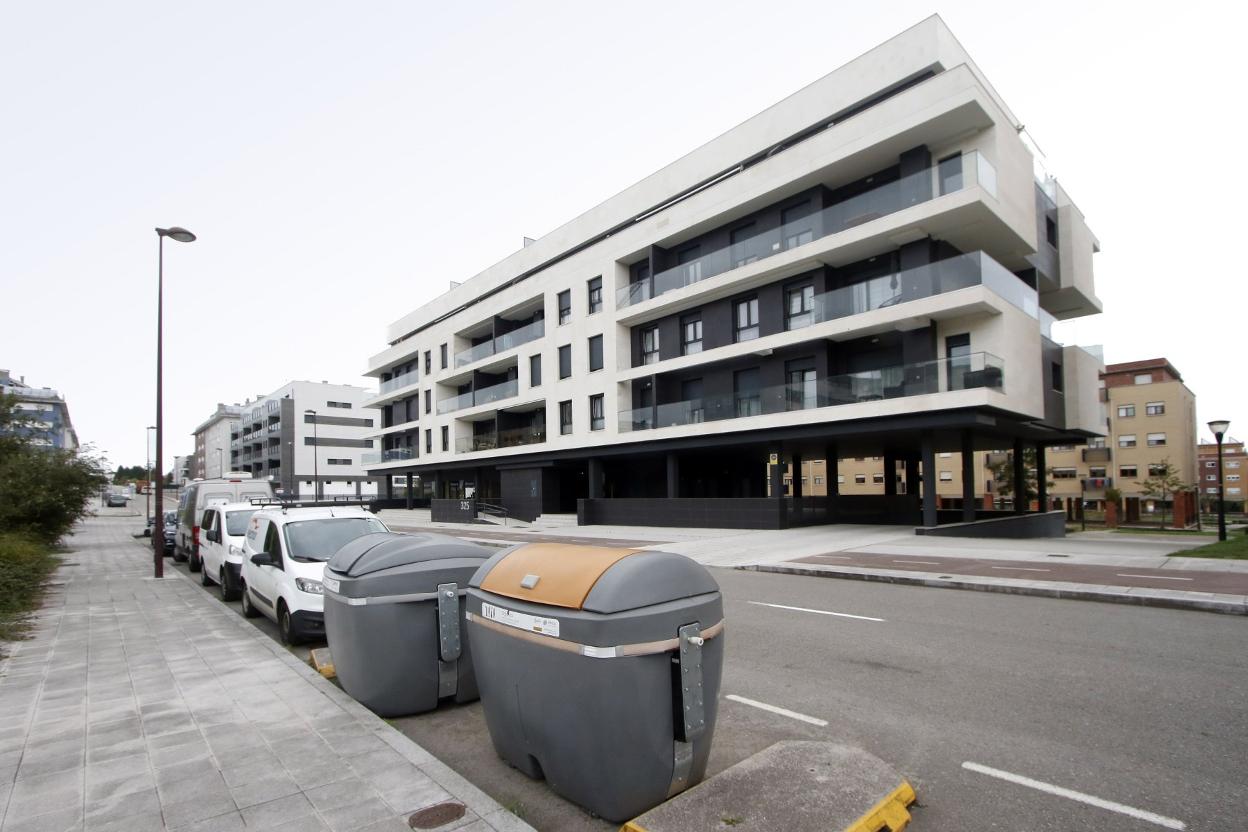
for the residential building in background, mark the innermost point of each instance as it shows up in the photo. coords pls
(213, 443)
(868, 268)
(181, 470)
(44, 412)
(1234, 473)
(276, 438)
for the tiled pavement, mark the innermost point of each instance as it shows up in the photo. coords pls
(140, 704)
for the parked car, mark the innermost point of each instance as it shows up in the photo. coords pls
(171, 531)
(222, 530)
(235, 487)
(284, 557)
(116, 500)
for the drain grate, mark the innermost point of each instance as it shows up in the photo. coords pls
(439, 814)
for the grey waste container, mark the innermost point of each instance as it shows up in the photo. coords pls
(599, 669)
(394, 620)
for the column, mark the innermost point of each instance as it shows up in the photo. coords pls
(832, 475)
(408, 490)
(928, 453)
(912, 477)
(797, 476)
(1020, 478)
(968, 477)
(776, 473)
(594, 473)
(1042, 487)
(673, 475)
(890, 474)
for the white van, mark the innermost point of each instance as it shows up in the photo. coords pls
(234, 487)
(222, 528)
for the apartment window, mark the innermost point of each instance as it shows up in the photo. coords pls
(1056, 377)
(1211, 464)
(691, 395)
(946, 476)
(1050, 231)
(595, 353)
(958, 352)
(799, 307)
(742, 252)
(597, 417)
(650, 345)
(1155, 408)
(429, 441)
(1211, 490)
(745, 318)
(1127, 440)
(1126, 411)
(1144, 378)
(1129, 472)
(860, 479)
(565, 306)
(428, 400)
(338, 461)
(798, 225)
(535, 370)
(442, 355)
(949, 170)
(1232, 465)
(877, 478)
(565, 417)
(801, 392)
(1232, 477)
(1156, 440)
(446, 438)
(840, 479)
(688, 259)
(1211, 477)
(1099, 473)
(691, 334)
(595, 295)
(818, 480)
(341, 405)
(1066, 473)
(747, 392)
(1156, 469)
(1098, 442)
(565, 361)
(1232, 491)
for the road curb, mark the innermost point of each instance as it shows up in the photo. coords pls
(1138, 596)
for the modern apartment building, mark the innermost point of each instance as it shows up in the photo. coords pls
(212, 455)
(869, 267)
(1234, 474)
(44, 413)
(309, 439)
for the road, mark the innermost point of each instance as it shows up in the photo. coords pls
(1145, 708)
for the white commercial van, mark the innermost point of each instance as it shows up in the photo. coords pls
(222, 527)
(197, 495)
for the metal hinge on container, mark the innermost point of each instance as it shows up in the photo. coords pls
(690, 701)
(449, 647)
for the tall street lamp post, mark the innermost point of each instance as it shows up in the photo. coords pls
(316, 455)
(181, 235)
(1219, 429)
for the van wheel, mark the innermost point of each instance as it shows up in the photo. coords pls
(204, 580)
(228, 591)
(284, 628)
(249, 611)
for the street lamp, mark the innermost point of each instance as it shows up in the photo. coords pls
(316, 475)
(1219, 428)
(147, 484)
(181, 235)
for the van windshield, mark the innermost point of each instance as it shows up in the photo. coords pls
(236, 522)
(320, 539)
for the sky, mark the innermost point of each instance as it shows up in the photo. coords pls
(343, 163)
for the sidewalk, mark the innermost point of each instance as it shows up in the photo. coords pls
(140, 704)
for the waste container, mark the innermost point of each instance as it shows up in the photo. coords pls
(394, 619)
(599, 669)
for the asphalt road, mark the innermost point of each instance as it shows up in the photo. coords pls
(1145, 708)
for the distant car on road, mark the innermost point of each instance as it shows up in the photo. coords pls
(116, 500)
(171, 531)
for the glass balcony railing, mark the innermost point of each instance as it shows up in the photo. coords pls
(392, 455)
(504, 342)
(485, 395)
(400, 381)
(502, 439)
(873, 204)
(976, 370)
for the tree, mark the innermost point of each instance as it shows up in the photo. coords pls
(1003, 475)
(1163, 482)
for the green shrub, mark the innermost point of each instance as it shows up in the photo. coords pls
(25, 565)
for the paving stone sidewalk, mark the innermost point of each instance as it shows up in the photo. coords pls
(140, 704)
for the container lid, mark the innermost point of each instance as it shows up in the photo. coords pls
(594, 578)
(386, 550)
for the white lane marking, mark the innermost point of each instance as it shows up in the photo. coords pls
(834, 557)
(817, 612)
(1157, 577)
(1021, 568)
(929, 562)
(1070, 794)
(822, 723)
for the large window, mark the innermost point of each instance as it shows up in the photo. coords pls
(565, 417)
(950, 172)
(691, 265)
(691, 395)
(801, 392)
(799, 307)
(597, 418)
(595, 295)
(565, 306)
(1156, 440)
(691, 334)
(958, 353)
(1128, 472)
(1156, 469)
(742, 251)
(1127, 440)
(745, 319)
(535, 370)
(747, 392)
(650, 345)
(595, 353)
(565, 361)
(1155, 408)
(798, 223)
(1126, 411)
(1064, 473)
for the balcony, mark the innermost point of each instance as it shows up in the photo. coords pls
(485, 395)
(502, 439)
(1096, 455)
(879, 202)
(977, 370)
(504, 342)
(392, 455)
(398, 382)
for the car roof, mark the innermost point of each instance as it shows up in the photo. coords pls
(290, 515)
(232, 506)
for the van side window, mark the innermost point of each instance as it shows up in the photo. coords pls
(206, 523)
(252, 531)
(273, 546)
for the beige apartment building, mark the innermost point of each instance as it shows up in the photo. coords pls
(1234, 474)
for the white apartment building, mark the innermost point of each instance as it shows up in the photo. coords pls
(310, 439)
(868, 267)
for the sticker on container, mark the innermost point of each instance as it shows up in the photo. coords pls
(330, 584)
(521, 621)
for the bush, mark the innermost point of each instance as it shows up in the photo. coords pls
(25, 565)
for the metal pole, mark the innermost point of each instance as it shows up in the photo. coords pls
(158, 540)
(1221, 493)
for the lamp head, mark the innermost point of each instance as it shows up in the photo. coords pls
(176, 233)
(1219, 428)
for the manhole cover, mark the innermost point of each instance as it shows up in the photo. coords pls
(439, 814)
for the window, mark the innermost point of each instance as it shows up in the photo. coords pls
(742, 253)
(747, 395)
(1128, 471)
(798, 225)
(1156, 440)
(1211, 490)
(1127, 440)
(691, 334)
(428, 400)
(595, 295)
(1067, 473)
(946, 476)
(840, 478)
(1232, 491)
(1232, 465)
(1144, 378)
(565, 361)
(428, 362)
(1156, 469)
(1211, 464)
(801, 393)
(1211, 477)
(342, 405)
(565, 306)
(650, 345)
(1050, 231)
(1058, 381)
(818, 479)
(446, 438)
(595, 353)
(745, 318)
(429, 441)
(958, 352)
(799, 307)
(691, 395)
(860, 479)
(688, 258)
(597, 419)
(1154, 408)
(877, 478)
(1098, 473)
(535, 370)
(1232, 477)
(442, 355)
(1126, 411)
(565, 417)
(1098, 442)
(949, 170)
(339, 461)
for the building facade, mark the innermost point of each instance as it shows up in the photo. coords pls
(212, 455)
(868, 268)
(1234, 474)
(43, 411)
(309, 439)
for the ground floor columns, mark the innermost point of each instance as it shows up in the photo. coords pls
(797, 476)
(673, 475)
(1042, 487)
(928, 454)
(890, 474)
(409, 488)
(1020, 478)
(832, 477)
(968, 476)
(593, 470)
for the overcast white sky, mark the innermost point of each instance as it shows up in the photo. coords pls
(341, 163)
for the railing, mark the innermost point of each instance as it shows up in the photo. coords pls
(504, 342)
(886, 199)
(485, 395)
(502, 439)
(392, 455)
(1096, 454)
(390, 385)
(977, 370)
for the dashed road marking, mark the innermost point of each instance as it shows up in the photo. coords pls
(816, 612)
(926, 562)
(1021, 568)
(1157, 577)
(1071, 794)
(822, 723)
